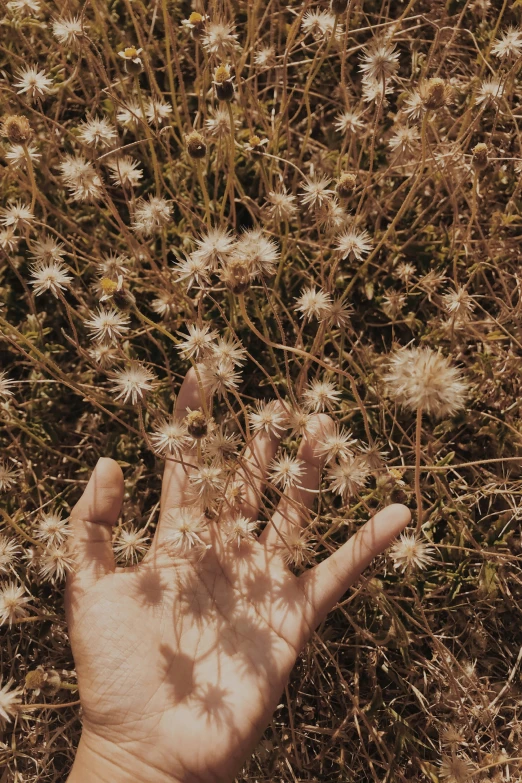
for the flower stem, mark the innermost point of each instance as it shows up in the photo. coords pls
(418, 494)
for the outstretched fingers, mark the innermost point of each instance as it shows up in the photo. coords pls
(93, 518)
(293, 508)
(324, 584)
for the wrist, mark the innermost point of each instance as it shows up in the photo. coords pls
(100, 761)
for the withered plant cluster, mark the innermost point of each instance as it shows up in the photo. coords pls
(317, 206)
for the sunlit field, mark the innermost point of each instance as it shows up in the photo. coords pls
(318, 207)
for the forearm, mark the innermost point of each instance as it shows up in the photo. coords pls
(99, 761)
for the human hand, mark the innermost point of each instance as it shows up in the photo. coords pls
(181, 662)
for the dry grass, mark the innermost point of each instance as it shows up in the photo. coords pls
(413, 671)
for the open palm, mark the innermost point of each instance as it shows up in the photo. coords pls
(181, 661)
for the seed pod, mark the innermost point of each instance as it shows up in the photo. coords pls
(479, 159)
(434, 93)
(197, 425)
(223, 83)
(339, 6)
(237, 276)
(346, 185)
(196, 146)
(17, 129)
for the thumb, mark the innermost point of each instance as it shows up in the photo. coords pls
(93, 517)
(325, 583)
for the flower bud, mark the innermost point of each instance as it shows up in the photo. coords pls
(17, 129)
(197, 425)
(197, 24)
(479, 159)
(346, 185)
(237, 276)
(196, 145)
(223, 83)
(434, 93)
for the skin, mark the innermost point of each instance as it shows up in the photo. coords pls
(181, 663)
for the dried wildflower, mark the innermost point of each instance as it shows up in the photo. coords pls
(185, 527)
(219, 38)
(348, 476)
(281, 205)
(218, 123)
(133, 383)
(6, 385)
(265, 58)
(490, 91)
(393, 303)
(170, 437)
(52, 529)
(313, 303)
(411, 551)
(509, 45)
(404, 271)
(69, 31)
(405, 141)
(17, 155)
(199, 341)
(458, 303)
(219, 375)
(8, 240)
(316, 191)
(55, 563)
(240, 529)
(166, 304)
(320, 25)
(268, 417)
(125, 171)
(12, 602)
(348, 122)
(346, 184)
(321, 395)
(24, 7)
(331, 215)
(221, 445)
(228, 348)
(151, 215)
(97, 132)
(214, 247)
(353, 244)
(479, 158)
(197, 424)
(35, 83)
(9, 551)
(297, 547)
(81, 178)
(337, 444)
(338, 313)
(9, 700)
(194, 270)
(286, 471)
(157, 111)
(208, 481)
(108, 324)
(456, 769)
(420, 378)
(130, 544)
(130, 114)
(17, 216)
(133, 61)
(258, 252)
(299, 421)
(16, 129)
(49, 276)
(196, 146)
(380, 61)
(374, 91)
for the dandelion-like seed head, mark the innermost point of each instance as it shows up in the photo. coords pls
(133, 383)
(420, 378)
(411, 551)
